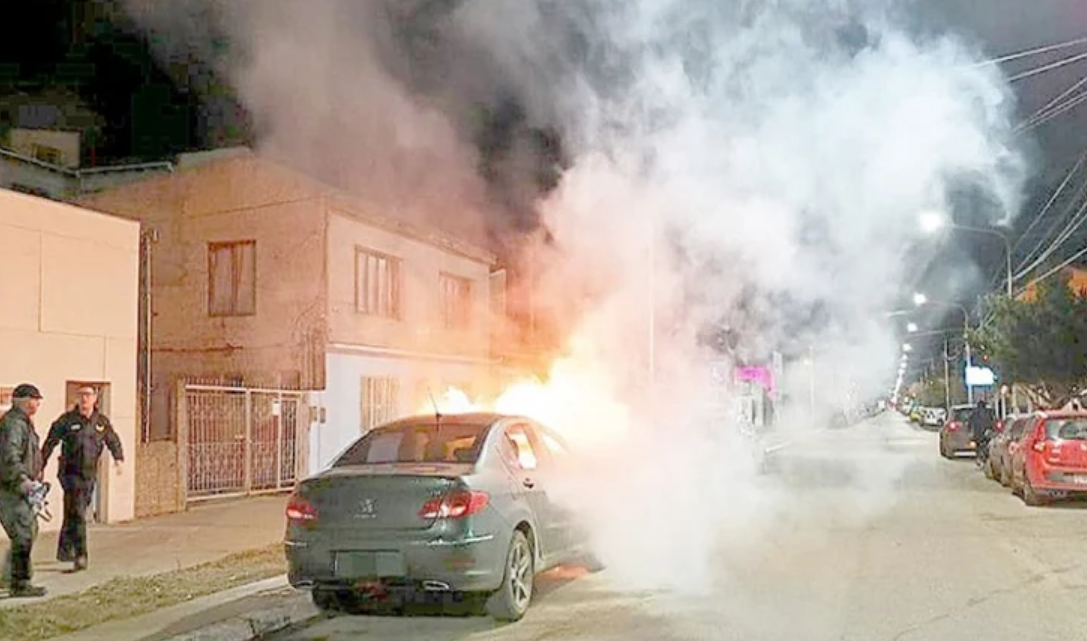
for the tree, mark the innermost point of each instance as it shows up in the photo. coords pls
(1039, 341)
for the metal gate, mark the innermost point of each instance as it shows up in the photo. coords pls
(240, 440)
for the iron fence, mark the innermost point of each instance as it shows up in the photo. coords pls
(240, 440)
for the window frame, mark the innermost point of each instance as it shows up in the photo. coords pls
(451, 319)
(396, 284)
(232, 245)
(390, 390)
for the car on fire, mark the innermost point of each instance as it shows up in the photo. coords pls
(955, 436)
(1050, 457)
(436, 504)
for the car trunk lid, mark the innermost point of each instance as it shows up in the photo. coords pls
(380, 497)
(1066, 442)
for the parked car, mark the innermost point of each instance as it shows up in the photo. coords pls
(933, 417)
(1003, 445)
(955, 436)
(454, 504)
(1050, 457)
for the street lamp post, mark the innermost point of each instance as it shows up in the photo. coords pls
(921, 299)
(931, 221)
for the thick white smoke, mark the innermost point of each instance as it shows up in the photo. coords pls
(756, 164)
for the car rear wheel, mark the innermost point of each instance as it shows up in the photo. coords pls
(325, 600)
(511, 600)
(1030, 496)
(1005, 476)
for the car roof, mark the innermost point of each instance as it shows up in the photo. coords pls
(1063, 414)
(482, 419)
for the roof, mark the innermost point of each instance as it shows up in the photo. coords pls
(197, 166)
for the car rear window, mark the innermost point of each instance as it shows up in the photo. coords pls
(1017, 427)
(963, 415)
(456, 443)
(1066, 429)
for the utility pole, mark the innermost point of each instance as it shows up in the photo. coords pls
(947, 378)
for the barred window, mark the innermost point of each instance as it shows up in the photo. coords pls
(378, 401)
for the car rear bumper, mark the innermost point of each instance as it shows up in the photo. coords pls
(469, 563)
(958, 443)
(1059, 481)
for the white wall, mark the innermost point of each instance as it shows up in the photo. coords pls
(342, 403)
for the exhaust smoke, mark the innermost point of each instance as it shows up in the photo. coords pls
(757, 168)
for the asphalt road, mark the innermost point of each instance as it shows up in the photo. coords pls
(872, 537)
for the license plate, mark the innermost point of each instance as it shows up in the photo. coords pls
(364, 565)
(1080, 479)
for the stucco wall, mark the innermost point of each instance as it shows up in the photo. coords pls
(68, 295)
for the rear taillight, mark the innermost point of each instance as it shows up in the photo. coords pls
(300, 510)
(454, 506)
(952, 426)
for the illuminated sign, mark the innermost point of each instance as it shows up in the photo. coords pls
(980, 377)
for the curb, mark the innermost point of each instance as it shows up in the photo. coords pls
(255, 625)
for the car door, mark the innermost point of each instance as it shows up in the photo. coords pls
(519, 437)
(555, 462)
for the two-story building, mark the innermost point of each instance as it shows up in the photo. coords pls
(285, 319)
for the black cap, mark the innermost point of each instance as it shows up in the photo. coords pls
(26, 390)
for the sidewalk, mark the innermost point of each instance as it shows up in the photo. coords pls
(159, 544)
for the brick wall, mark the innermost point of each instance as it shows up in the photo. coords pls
(157, 479)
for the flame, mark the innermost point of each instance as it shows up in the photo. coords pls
(575, 400)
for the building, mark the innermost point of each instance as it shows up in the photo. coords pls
(47, 163)
(287, 319)
(69, 300)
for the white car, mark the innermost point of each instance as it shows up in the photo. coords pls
(933, 416)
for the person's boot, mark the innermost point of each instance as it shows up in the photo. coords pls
(80, 563)
(26, 591)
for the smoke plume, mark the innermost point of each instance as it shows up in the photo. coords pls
(753, 167)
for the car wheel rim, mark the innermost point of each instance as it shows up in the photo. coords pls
(521, 575)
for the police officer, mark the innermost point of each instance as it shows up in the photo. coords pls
(81, 433)
(20, 469)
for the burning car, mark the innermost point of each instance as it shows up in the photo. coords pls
(455, 504)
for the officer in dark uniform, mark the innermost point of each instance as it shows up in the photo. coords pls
(20, 469)
(81, 433)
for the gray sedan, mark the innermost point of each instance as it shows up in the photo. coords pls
(435, 504)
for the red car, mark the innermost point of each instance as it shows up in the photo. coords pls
(1050, 458)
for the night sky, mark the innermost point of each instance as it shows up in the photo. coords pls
(89, 56)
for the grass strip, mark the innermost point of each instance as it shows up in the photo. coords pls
(127, 597)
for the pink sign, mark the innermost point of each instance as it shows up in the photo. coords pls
(763, 376)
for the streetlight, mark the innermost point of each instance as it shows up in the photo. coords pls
(932, 221)
(911, 327)
(906, 347)
(920, 299)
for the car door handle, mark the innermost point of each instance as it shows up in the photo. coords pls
(529, 483)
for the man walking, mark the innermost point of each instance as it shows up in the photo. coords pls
(81, 433)
(20, 469)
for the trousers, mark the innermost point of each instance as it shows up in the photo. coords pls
(73, 531)
(21, 526)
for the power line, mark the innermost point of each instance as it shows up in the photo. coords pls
(1052, 199)
(1032, 52)
(1029, 122)
(1063, 109)
(1071, 259)
(1049, 67)
(1066, 233)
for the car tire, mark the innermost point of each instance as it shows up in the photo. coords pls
(325, 600)
(1005, 477)
(512, 599)
(1030, 496)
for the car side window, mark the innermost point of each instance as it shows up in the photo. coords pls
(517, 439)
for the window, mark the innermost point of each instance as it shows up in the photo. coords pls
(451, 443)
(48, 154)
(232, 278)
(456, 301)
(377, 284)
(518, 439)
(378, 400)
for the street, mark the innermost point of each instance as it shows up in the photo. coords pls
(889, 542)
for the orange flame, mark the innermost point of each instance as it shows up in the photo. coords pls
(575, 400)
